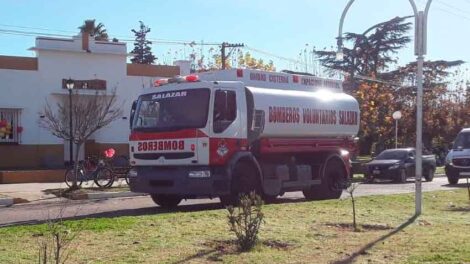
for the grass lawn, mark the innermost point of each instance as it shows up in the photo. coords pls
(301, 232)
(440, 170)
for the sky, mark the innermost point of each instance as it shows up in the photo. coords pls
(270, 29)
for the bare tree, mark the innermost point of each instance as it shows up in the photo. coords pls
(89, 114)
(350, 190)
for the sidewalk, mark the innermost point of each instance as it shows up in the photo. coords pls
(36, 192)
(29, 192)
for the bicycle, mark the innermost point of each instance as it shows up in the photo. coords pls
(91, 169)
(120, 166)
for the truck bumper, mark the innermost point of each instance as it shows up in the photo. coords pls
(176, 180)
(455, 172)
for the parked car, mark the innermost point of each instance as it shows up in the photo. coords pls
(458, 159)
(398, 165)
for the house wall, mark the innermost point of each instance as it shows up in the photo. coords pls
(27, 83)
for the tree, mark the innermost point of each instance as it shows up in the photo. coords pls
(89, 114)
(373, 51)
(142, 50)
(380, 90)
(98, 32)
(245, 60)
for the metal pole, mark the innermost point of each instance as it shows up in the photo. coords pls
(71, 129)
(419, 139)
(396, 133)
(420, 51)
(223, 55)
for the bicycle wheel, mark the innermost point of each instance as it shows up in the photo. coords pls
(121, 166)
(69, 177)
(104, 178)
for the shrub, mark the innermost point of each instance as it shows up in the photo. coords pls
(245, 220)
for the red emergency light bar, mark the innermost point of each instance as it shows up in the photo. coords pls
(177, 79)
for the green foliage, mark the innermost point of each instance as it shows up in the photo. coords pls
(97, 31)
(142, 50)
(381, 91)
(245, 220)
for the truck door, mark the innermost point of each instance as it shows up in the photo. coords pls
(226, 125)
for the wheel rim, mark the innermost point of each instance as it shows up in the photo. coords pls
(335, 179)
(69, 178)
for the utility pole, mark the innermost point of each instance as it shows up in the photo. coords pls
(228, 45)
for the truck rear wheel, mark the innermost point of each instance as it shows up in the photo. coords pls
(429, 175)
(452, 180)
(166, 201)
(244, 181)
(332, 182)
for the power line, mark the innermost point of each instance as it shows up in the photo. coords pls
(128, 39)
(452, 7)
(450, 12)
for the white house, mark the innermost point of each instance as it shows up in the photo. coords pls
(26, 83)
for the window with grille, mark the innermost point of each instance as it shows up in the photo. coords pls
(10, 129)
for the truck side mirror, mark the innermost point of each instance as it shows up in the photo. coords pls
(131, 119)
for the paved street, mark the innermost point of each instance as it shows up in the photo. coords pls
(40, 210)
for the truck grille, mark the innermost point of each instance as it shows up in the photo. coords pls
(168, 156)
(463, 162)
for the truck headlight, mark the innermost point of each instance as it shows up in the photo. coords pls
(199, 174)
(394, 166)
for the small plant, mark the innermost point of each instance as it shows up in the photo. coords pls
(54, 244)
(351, 189)
(468, 188)
(245, 220)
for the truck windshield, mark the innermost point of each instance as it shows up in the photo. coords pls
(392, 155)
(167, 111)
(462, 141)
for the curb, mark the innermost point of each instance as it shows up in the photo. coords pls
(6, 202)
(104, 195)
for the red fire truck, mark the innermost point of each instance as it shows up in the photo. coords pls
(234, 131)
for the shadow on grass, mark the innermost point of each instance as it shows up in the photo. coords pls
(217, 249)
(371, 244)
(459, 209)
(458, 185)
(361, 227)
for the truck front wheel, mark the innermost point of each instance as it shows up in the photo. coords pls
(332, 182)
(244, 181)
(166, 201)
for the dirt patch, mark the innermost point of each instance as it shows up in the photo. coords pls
(19, 200)
(67, 193)
(361, 227)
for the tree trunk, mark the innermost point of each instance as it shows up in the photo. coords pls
(76, 166)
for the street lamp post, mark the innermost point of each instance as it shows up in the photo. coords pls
(396, 115)
(420, 51)
(69, 84)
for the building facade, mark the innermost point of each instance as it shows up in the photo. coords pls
(27, 82)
